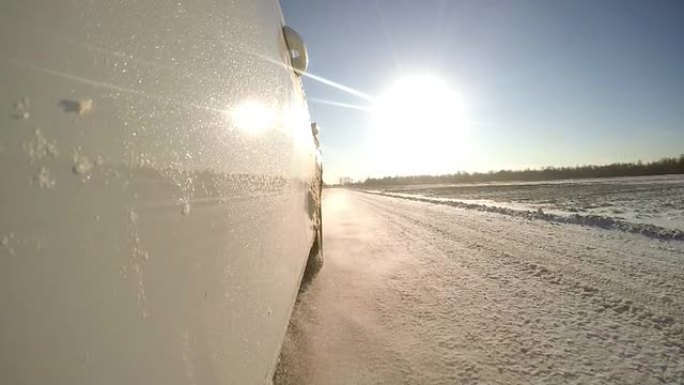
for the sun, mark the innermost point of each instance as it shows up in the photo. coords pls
(419, 125)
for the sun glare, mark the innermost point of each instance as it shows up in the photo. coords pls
(419, 125)
(253, 117)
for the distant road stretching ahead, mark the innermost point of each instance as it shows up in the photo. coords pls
(417, 293)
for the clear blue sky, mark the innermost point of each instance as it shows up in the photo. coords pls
(543, 82)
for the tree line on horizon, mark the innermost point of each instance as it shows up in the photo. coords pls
(663, 166)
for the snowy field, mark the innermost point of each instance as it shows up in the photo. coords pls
(420, 290)
(651, 205)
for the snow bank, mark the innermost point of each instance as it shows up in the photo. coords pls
(600, 221)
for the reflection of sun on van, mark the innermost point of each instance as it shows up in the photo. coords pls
(160, 191)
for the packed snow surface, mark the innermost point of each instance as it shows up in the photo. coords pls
(414, 292)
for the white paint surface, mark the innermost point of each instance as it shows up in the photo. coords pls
(146, 239)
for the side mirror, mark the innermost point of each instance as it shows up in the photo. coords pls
(299, 57)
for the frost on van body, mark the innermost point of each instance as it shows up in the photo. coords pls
(185, 208)
(44, 179)
(6, 243)
(20, 109)
(39, 147)
(85, 106)
(132, 216)
(135, 263)
(82, 164)
(186, 356)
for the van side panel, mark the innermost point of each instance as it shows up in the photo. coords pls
(155, 159)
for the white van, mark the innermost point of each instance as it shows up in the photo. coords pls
(159, 191)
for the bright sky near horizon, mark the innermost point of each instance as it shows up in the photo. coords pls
(483, 85)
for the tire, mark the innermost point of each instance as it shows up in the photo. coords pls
(314, 262)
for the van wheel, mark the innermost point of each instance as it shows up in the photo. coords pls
(315, 261)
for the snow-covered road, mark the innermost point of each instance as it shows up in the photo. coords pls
(419, 293)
